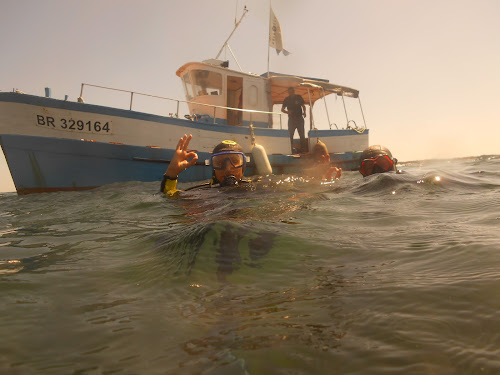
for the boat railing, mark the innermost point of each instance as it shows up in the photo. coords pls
(178, 101)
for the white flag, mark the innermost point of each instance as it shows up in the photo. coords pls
(275, 36)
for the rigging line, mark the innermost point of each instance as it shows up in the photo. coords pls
(362, 113)
(245, 10)
(268, 38)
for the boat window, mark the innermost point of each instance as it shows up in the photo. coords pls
(187, 86)
(252, 95)
(207, 83)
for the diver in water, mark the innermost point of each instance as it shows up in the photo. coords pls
(320, 160)
(228, 165)
(377, 159)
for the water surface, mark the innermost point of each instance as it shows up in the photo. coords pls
(394, 273)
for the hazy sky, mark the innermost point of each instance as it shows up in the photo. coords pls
(428, 71)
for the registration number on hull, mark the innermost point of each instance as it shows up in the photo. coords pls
(74, 125)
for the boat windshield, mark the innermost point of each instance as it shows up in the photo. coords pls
(206, 82)
(187, 86)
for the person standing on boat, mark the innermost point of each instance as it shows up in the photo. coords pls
(228, 165)
(295, 108)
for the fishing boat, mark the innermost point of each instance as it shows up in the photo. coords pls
(52, 145)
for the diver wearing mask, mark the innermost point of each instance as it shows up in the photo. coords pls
(228, 165)
(377, 159)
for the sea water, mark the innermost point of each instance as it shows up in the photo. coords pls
(389, 274)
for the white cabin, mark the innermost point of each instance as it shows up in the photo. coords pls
(224, 96)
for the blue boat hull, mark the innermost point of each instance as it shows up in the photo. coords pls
(44, 164)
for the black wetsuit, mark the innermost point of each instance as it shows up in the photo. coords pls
(294, 105)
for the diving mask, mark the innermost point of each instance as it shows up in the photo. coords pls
(219, 160)
(380, 164)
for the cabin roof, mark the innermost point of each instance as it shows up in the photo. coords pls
(212, 67)
(281, 82)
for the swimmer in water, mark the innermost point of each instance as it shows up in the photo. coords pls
(321, 168)
(228, 165)
(377, 159)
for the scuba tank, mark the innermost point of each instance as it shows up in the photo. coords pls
(261, 161)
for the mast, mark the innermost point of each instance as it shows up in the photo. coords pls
(245, 10)
(268, 39)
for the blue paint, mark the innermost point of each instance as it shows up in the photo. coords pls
(43, 162)
(38, 163)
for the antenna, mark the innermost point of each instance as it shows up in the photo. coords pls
(245, 11)
(236, 13)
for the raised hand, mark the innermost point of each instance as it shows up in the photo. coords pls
(180, 161)
(333, 171)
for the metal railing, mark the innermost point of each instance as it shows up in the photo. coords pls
(215, 107)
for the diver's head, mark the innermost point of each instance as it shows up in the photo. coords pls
(291, 91)
(320, 153)
(228, 163)
(377, 159)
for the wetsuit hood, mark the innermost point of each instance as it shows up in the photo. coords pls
(373, 151)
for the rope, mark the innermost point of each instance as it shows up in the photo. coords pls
(355, 128)
(252, 135)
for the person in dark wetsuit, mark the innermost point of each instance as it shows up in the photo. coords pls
(377, 159)
(228, 165)
(295, 108)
